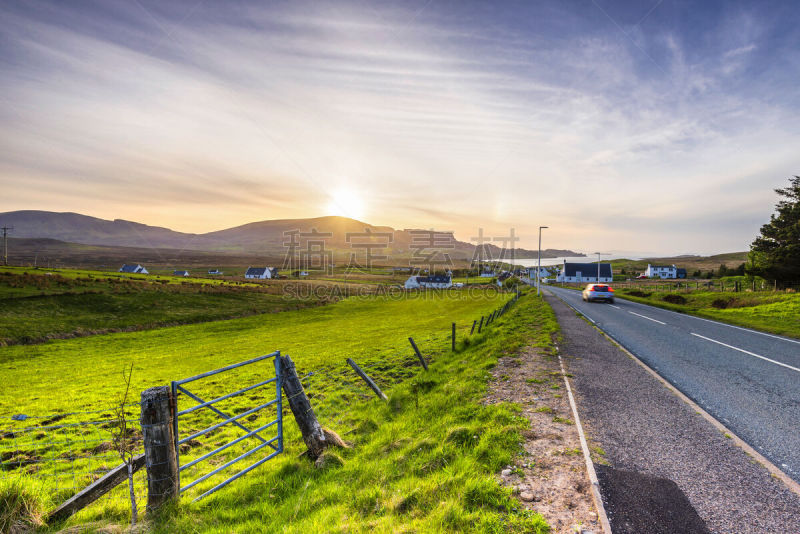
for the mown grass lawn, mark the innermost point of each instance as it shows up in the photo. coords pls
(422, 462)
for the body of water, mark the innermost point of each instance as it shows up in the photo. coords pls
(547, 262)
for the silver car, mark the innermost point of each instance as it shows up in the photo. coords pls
(598, 292)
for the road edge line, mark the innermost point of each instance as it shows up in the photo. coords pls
(595, 484)
(774, 470)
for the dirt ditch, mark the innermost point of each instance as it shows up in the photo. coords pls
(550, 476)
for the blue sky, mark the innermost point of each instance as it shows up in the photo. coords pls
(630, 127)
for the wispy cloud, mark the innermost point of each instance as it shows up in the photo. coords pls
(200, 116)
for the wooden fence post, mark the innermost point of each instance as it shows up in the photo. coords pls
(476, 322)
(367, 379)
(453, 338)
(313, 434)
(480, 325)
(157, 416)
(421, 359)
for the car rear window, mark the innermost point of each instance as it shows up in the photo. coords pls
(600, 288)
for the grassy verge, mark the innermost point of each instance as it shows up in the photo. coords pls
(422, 462)
(778, 313)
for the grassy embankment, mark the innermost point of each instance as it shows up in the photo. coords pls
(775, 312)
(422, 462)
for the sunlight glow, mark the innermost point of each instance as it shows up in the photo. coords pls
(346, 203)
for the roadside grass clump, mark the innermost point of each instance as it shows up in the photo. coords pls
(22, 505)
(562, 420)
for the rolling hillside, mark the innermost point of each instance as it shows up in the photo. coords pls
(257, 238)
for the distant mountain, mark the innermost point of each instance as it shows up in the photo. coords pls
(257, 238)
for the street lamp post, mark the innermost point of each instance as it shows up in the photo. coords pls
(598, 265)
(539, 262)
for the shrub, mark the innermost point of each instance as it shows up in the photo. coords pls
(720, 304)
(637, 293)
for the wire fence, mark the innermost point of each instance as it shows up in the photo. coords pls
(62, 453)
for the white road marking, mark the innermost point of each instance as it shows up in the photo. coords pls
(617, 307)
(748, 352)
(745, 329)
(646, 317)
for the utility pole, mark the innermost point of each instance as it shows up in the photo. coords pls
(5, 243)
(539, 261)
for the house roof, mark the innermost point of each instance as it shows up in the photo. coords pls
(662, 266)
(130, 268)
(256, 271)
(179, 273)
(587, 269)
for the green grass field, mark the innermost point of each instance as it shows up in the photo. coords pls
(423, 462)
(37, 305)
(774, 312)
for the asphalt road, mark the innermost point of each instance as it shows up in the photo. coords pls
(748, 380)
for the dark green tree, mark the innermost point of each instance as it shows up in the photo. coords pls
(775, 254)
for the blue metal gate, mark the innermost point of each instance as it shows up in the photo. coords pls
(274, 443)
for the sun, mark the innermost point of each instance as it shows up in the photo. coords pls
(346, 203)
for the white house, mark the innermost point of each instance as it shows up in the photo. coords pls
(133, 269)
(261, 272)
(180, 273)
(584, 272)
(434, 281)
(545, 272)
(661, 271)
(214, 271)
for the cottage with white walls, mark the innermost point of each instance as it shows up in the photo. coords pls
(261, 273)
(584, 273)
(180, 273)
(545, 272)
(661, 271)
(133, 269)
(214, 271)
(434, 281)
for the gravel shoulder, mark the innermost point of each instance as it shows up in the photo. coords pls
(550, 476)
(637, 425)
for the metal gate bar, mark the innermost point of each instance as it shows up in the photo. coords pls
(177, 386)
(216, 411)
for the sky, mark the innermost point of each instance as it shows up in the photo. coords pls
(639, 128)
